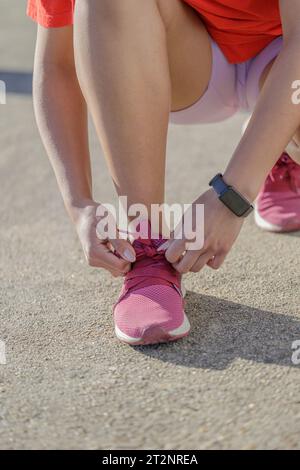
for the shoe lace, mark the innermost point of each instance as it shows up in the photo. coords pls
(147, 249)
(288, 170)
(151, 264)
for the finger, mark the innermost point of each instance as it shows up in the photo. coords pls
(114, 263)
(103, 257)
(115, 274)
(217, 261)
(175, 251)
(98, 263)
(124, 249)
(201, 261)
(187, 261)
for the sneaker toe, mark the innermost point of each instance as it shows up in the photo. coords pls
(283, 215)
(155, 312)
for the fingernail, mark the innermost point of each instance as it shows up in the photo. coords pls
(129, 256)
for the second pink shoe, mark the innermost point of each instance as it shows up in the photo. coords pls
(278, 204)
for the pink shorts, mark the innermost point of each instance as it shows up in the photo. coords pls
(232, 88)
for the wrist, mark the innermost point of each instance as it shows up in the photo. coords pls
(75, 208)
(247, 186)
(233, 199)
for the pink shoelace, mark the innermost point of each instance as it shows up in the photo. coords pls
(287, 169)
(151, 266)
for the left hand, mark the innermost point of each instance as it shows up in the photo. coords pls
(221, 229)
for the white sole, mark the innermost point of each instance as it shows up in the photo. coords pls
(264, 224)
(182, 330)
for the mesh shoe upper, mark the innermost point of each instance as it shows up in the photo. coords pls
(279, 200)
(151, 295)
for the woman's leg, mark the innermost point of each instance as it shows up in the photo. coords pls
(278, 203)
(293, 148)
(137, 60)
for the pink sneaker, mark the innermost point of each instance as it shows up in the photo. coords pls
(150, 307)
(278, 203)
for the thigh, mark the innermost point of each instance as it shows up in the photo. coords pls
(189, 52)
(220, 101)
(258, 74)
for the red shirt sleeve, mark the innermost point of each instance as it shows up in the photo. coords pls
(51, 13)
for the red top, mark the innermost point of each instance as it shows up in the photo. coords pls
(51, 13)
(241, 28)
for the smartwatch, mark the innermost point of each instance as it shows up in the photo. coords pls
(230, 197)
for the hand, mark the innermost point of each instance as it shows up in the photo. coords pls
(221, 228)
(99, 253)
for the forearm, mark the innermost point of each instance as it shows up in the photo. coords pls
(62, 120)
(273, 124)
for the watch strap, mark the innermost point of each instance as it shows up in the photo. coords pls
(219, 184)
(221, 188)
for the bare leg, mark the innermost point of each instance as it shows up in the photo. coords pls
(293, 148)
(136, 60)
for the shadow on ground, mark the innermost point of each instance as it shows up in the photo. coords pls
(292, 234)
(17, 82)
(223, 331)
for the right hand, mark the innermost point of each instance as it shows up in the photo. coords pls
(100, 253)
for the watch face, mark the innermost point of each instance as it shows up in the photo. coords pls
(234, 202)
